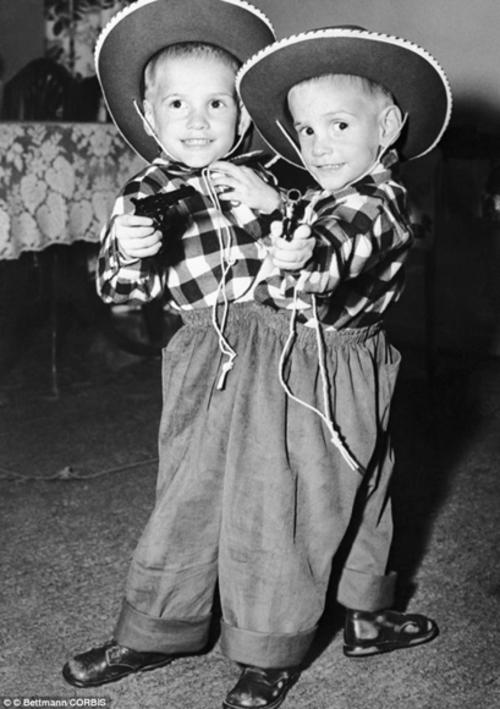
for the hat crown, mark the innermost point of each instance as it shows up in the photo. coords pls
(139, 4)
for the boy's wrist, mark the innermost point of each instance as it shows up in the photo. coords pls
(121, 255)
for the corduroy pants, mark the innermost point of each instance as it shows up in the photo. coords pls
(253, 495)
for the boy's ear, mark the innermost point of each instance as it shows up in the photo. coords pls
(244, 121)
(390, 125)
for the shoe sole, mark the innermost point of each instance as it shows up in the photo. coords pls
(82, 685)
(277, 703)
(350, 651)
(274, 705)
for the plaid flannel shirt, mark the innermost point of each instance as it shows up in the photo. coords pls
(202, 241)
(363, 236)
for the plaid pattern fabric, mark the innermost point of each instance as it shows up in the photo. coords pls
(363, 236)
(202, 244)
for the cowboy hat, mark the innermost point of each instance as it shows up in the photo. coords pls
(415, 79)
(140, 30)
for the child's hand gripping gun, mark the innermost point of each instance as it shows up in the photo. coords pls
(157, 206)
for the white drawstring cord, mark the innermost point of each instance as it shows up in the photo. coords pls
(148, 127)
(225, 263)
(325, 415)
(224, 248)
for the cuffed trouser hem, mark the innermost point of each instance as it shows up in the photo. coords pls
(265, 650)
(150, 634)
(366, 592)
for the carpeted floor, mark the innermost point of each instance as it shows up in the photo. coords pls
(72, 511)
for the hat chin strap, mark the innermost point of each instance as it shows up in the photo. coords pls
(149, 129)
(292, 143)
(382, 149)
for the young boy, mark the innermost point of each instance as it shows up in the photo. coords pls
(167, 69)
(334, 101)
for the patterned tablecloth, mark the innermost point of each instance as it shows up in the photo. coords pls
(58, 182)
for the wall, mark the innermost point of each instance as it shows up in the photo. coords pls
(21, 36)
(462, 35)
(21, 33)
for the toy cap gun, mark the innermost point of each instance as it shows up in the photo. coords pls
(157, 206)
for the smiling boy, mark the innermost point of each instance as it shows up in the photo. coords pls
(338, 101)
(167, 69)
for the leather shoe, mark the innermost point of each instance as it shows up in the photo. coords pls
(110, 663)
(260, 689)
(370, 633)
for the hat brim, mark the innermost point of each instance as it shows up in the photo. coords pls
(139, 31)
(412, 75)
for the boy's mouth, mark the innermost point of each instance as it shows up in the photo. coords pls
(196, 142)
(330, 166)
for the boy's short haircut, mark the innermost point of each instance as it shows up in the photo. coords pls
(368, 86)
(186, 49)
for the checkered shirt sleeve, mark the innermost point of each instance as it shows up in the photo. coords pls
(190, 266)
(362, 239)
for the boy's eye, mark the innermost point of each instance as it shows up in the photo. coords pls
(216, 103)
(340, 126)
(176, 103)
(306, 130)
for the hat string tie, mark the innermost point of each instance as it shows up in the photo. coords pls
(226, 262)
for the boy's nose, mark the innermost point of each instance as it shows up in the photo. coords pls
(197, 119)
(321, 145)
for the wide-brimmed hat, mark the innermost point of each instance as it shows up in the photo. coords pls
(415, 79)
(140, 30)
